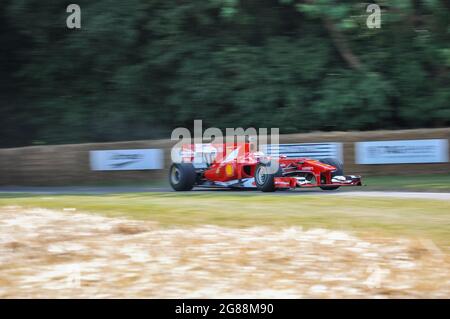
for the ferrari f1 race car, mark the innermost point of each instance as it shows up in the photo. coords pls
(233, 165)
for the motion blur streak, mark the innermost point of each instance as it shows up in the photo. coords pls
(112, 257)
(137, 69)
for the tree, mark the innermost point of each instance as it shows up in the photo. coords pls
(137, 69)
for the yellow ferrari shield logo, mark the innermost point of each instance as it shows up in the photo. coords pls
(229, 170)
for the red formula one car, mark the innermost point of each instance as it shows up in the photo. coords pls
(233, 165)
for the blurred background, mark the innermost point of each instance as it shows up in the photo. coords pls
(86, 117)
(137, 69)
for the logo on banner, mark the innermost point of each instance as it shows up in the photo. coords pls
(125, 159)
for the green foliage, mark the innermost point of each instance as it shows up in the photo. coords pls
(137, 69)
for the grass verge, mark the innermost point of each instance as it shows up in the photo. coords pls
(431, 183)
(401, 217)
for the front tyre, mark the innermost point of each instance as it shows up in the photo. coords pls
(264, 178)
(338, 172)
(182, 176)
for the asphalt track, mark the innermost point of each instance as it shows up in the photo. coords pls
(97, 190)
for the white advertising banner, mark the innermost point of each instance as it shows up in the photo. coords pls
(124, 160)
(310, 150)
(402, 152)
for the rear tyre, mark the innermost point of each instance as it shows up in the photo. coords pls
(182, 176)
(264, 180)
(338, 172)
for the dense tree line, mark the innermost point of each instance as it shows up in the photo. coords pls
(139, 68)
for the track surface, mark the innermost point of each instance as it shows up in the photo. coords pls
(134, 189)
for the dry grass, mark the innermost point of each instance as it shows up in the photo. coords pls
(418, 218)
(223, 245)
(42, 252)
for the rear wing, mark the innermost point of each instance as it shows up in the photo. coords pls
(202, 155)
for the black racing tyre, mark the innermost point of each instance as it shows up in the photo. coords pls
(182, 176)
(265, 180)
(338, 172)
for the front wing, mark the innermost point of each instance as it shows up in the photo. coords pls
(287, 182)
(301, 182)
